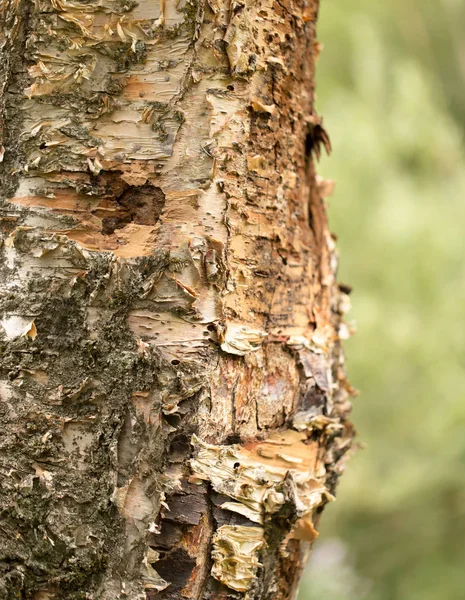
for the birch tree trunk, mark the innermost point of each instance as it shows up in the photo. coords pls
(173, 393)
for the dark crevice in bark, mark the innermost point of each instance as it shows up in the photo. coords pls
(176, 567)
(233, 406)
(142, 204)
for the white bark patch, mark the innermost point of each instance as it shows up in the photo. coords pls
(15, 326)
(175, 338)
(235, 555)
(241, 339)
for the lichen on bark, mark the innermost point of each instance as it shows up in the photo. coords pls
(172, 386)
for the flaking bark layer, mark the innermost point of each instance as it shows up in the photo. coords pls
(172, 385)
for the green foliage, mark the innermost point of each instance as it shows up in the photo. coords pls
(391, 84)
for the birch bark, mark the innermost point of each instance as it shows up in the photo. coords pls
(173, 393)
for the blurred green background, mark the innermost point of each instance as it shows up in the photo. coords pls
(391, 89)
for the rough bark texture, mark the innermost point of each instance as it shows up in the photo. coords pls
(172, 390)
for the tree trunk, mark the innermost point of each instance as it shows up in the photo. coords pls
(173, 395)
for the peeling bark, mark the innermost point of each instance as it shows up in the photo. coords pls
(173, 393)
